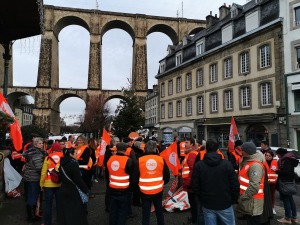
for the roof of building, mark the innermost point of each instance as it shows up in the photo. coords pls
(20, 19)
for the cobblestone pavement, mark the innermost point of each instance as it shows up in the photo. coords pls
(12, 211)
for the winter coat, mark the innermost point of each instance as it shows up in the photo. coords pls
(246, 203)
(73, 210)
(33, 166)
(215, 182)
(286, 167)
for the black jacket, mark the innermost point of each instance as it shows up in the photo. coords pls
(286, 167)
(215, 182)
(73, 211)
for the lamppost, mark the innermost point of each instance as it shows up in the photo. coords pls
(6, 56)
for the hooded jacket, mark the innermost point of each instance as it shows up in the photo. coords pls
(286, 167)
(215, 182)
(247, 204)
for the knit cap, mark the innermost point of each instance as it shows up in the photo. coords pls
(249, 147)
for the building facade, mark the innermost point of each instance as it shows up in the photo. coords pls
(290, 10)
(151, 111)
(234, 67)
(24, 114)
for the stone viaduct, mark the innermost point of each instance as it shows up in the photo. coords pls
(47, 93)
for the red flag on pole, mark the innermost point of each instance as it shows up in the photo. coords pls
(233, 133)
(171, 157)
(15, 130)
(104, 142)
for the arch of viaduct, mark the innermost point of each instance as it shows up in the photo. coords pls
(47, 93)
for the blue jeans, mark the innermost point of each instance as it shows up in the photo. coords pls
(33, 191)
(146, 206)
(51, 193)
(289, 206)
(226, 216)
(118, 209)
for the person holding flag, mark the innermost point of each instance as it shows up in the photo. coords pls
(187, 170)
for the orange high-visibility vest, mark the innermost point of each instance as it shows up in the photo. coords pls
(272, 176)
(79, 151)
(127, 152)
(244, 180)
(56, 157)
(203, 152)
(118, 178)
(151, 174)
(70, 145)
(185, 168)
(182, 148)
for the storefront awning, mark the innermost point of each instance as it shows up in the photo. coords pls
(217, 121)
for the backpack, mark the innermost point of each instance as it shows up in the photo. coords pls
(54, 175)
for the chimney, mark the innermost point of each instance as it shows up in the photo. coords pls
(210, 20)
(224, 11)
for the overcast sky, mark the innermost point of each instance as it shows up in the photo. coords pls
(116, 46)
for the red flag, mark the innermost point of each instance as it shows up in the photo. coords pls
(15, 130)
(171, 157)
(232, 135)
(104, 142)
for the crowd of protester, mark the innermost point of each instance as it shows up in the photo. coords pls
(221, 187)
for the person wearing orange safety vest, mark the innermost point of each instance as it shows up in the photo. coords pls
(182, 150)
(153, 173)
(271, 166)
(70, 143)
(251, 179)
(51, 189)
(84, 160)
(187, 170)
(120, 169)
(235, 156)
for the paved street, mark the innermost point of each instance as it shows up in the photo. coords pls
(12, 211)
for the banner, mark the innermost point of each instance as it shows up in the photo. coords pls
(104, 142)
(15, 130)
(171, 158)
(232, 135)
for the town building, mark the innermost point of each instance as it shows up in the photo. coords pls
(233, 67)
(151, 111)
(24, 114)
(290, 10)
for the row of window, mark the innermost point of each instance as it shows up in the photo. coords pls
(245, 101)
(151, 120)
(244, 62)
(151, 112)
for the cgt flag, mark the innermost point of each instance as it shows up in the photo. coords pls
(104, 142)
(232, 135)
(171, 157)
(15, 130)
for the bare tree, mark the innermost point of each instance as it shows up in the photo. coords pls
(95, 115)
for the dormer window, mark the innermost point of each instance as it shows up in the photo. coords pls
(200, 47)
(234, 12)
(178, 58)
(162, 67)
(170, 49)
